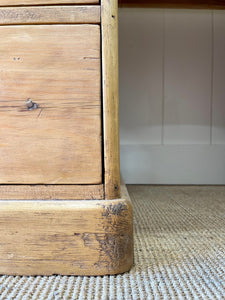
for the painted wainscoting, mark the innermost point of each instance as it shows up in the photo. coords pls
(172, 96)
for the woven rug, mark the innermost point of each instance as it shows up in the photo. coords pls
(179, 252)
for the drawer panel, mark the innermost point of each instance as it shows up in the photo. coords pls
(58, 68)
(50, 15)
(40, 2)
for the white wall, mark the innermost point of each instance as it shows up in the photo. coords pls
(172, 96)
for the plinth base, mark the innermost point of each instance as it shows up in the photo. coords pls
(75, 237)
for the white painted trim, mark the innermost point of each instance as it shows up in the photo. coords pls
(173, 164)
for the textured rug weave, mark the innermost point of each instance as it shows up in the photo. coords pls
(179, 252)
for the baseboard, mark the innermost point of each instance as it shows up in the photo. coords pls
(173, 164)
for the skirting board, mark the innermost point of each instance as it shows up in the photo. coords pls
(81, 237)
(173, 164)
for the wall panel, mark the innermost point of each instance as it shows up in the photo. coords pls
(172, 96)
(218, 107)
(141, 71)
(187, 77)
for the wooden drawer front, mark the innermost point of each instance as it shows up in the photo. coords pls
(40, 2)
(55, 14)
(57, 67)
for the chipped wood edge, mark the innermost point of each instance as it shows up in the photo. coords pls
(109, 27)
(92, 237)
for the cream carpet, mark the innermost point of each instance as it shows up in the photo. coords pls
(179, 252)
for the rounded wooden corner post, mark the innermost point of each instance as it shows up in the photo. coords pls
(110, 86)
(110, 93)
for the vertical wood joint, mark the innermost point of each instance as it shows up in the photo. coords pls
(109, 26)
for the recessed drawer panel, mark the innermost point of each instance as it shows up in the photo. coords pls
(40, 2)
(50, 104)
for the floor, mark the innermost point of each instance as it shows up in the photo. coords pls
(180, 241)
(179, 249)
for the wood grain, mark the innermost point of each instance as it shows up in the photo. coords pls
(206, 4)
(109, 18)
(50, 15)
(57, 67)
(66, 237)
(41, 2)
(51, 192)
